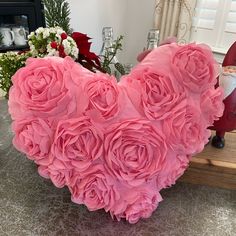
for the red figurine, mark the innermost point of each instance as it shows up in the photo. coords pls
(228, 121)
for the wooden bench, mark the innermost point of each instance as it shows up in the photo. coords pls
(214, 167)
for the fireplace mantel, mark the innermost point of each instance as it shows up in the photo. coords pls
(27, 14)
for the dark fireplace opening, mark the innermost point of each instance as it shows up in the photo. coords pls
(17, 19)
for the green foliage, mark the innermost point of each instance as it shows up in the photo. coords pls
(40, 44)
(57, 13)
(119, 67)
(110, 53)
(10, 62)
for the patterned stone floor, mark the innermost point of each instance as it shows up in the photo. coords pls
(30, 205)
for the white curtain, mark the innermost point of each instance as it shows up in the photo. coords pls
(174, 18)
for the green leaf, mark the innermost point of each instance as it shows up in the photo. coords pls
(120, 68)
(57, 13)
(110, 53)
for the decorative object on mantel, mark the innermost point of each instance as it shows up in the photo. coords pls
(18, 18)
(228, 81)
(110, 47)
(116, 145)
(152, 42)
(153, 39)
(145, 52)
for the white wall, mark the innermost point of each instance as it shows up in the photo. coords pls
(131, 18)
(91, 16)
(139, 18)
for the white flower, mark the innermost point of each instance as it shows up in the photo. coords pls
(34, 53)
(52, 52)
(52, 30)
(59, 30)
(58, 36)
(70, 39)
(46, 33)
(31, 35)
(30, 43)
(32, 47)
(39, 30)
(49, 47)
(67, 47)
(75, 52)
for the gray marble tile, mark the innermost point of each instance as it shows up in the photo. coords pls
(31, 205)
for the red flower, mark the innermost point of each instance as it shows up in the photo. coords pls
(83, 44)
(82, 41)
(54, 44)
(61, 51)
(63, 36)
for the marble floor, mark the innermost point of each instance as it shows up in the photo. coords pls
(31, 205)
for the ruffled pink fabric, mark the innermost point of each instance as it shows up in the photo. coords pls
(116, 145)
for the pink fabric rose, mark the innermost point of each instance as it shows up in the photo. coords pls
(94, 191)
(39, 89)
(185, 131)
(34, 138)
(59, 174)
(136, 202)
(134, 151)
(77, 143)
(194, 67)
(154, 93)
(174, 167)
(211, 104)
(143, 207)
(104, 97)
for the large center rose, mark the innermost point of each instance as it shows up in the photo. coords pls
(154, 93)
(77, 143)
(39, 89)
(134, 151)
(195, 67)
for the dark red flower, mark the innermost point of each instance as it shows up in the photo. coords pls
(54, 44)
(83, 44)
(82, 41)
(63, 36)
(61, 51)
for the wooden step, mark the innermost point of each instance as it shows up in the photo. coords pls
(214, 167)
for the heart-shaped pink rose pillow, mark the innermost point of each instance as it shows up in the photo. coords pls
(116, 145)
